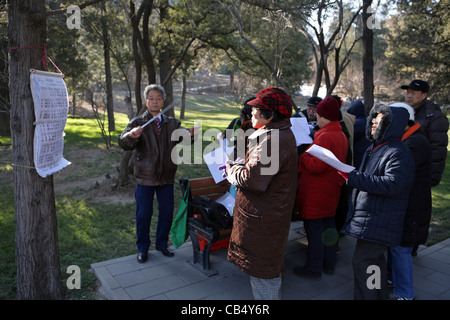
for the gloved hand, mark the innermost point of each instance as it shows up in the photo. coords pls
(224, 167)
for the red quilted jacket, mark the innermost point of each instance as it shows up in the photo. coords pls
(319, 186)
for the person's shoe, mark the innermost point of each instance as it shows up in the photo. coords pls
(328, 270)
(142, 257)
(166, 252)
(393, 296)
(303, 272)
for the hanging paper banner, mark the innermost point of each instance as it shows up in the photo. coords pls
(51, 106)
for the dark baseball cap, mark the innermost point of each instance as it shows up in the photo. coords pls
(418, 85)
(314, 101)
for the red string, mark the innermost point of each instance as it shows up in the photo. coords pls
(43, 59)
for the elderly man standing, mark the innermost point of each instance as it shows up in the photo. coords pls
(434, 123)
(154, 169)
(266, 185)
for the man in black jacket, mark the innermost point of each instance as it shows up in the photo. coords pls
(434, 123)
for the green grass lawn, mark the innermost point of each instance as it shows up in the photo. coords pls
(90, 231)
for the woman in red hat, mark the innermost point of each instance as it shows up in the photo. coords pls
(318, 193)
(266, 191)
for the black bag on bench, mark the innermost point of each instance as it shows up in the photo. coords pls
(213, 212)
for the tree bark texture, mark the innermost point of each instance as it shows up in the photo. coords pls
(36, 238)
(108, 76)
(367, 60)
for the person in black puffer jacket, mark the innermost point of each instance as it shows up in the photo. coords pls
(379, 198)
(433, 122)
(418, 213)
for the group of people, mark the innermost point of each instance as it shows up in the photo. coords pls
(398, 152)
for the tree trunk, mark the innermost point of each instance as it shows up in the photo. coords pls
(124, 167)
(164, 69)
(147, 7)
(367, 63)
(36, 239)
(183, 97)
(232, 81)
(109, 90)
(137, 58)
(318, 80)
(165, 65)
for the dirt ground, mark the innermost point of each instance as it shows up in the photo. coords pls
(105, 187)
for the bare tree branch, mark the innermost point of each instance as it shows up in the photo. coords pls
(236, 17)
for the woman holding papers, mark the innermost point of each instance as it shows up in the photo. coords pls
(265, 197)
(318, 193)
(379, 199)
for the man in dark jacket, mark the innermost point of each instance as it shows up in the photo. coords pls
(154, 169)
(418, 213)
(434, 123)
(379, 199)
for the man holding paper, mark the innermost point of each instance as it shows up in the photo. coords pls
(149, 135)
(318, 192)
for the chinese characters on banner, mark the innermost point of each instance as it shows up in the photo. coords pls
(51, 106)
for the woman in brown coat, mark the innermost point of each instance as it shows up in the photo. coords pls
(266, 186)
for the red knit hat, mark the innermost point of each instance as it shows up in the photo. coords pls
(273, 99)
(328, 109)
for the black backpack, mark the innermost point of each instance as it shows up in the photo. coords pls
(214, 213)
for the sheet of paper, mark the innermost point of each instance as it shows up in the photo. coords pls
(228, 201)
(214, 160)
(51, 106)
(301, 131)
(328, 157)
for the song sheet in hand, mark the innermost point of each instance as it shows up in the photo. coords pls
(328, 157)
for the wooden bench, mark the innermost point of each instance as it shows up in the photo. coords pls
(197, 227)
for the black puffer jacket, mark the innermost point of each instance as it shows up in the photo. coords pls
(435, 125)
(382, 184)
(418, 214)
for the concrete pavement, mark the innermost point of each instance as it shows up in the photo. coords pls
(176, 278)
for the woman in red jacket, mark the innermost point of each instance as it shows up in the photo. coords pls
(318, 193)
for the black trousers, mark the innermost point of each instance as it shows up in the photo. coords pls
(370, 271)
(322, 238)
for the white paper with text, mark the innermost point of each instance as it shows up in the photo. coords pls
(51, 106)
(328, 157)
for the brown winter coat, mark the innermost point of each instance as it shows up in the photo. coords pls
(264, 201)
(153, 164)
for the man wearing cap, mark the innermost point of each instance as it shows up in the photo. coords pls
(318, 193)
(433, 122)
(265, 196)
(310, 112)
